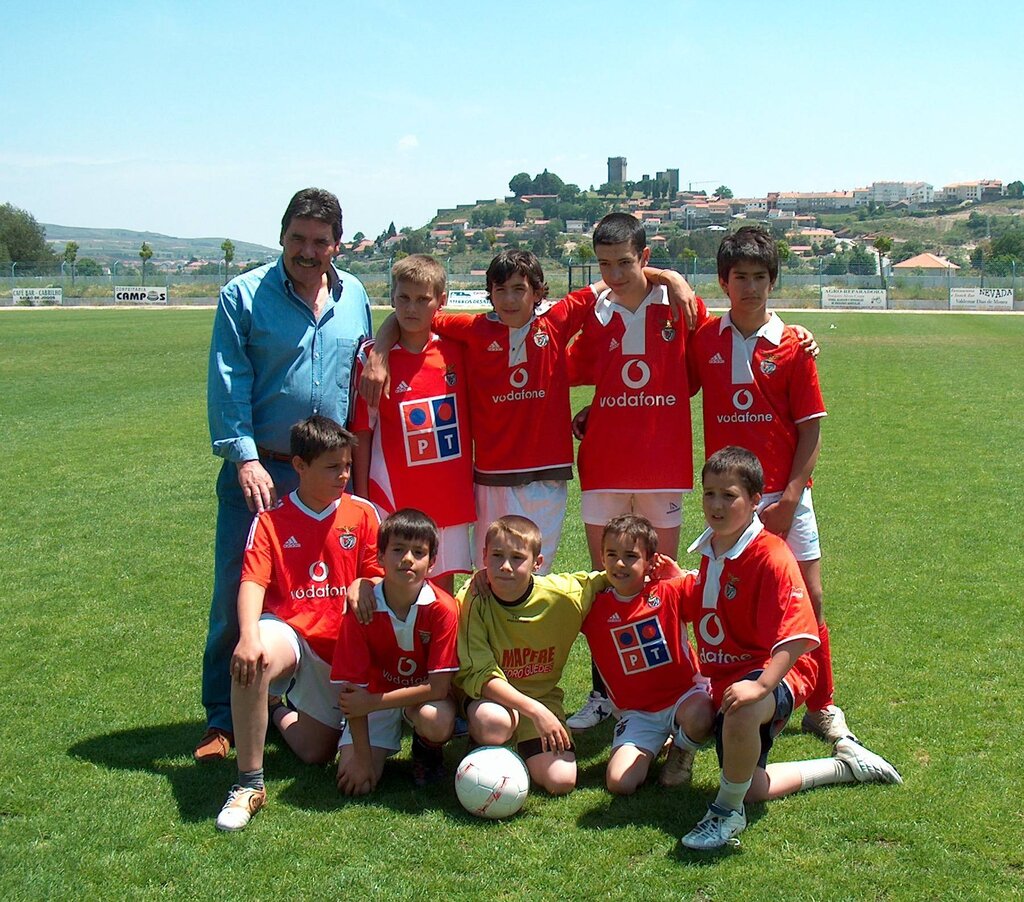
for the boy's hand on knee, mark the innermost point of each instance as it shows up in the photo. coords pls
(552, 733)
(745, 692)
(248, 661)
(355, 701)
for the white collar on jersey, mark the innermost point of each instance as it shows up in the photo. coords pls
(426, 596)
(606, 306)
(770, 331)
(322, 515)
(703, 542)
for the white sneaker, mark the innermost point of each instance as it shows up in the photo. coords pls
(241, 805)
(715, 829)
(867, 767)
(596, 708)
(829, 724)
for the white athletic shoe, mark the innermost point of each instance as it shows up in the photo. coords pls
(715, 829)
(596, 708)
(829, 724)
(867, 767)
(240, 807)
(678, 767)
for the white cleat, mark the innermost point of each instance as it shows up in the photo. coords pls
(716, 829)
(867, 767)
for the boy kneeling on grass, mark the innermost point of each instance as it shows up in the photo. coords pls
(754, 626)
(299, 561)
(397, 662)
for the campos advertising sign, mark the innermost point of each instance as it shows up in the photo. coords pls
(981, 299)
(140, 294)
(473, 298)
(853, 299)
(37, 297)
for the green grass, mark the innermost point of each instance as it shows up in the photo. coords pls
(107, 531)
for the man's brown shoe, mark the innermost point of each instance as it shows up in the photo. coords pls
(214, 746)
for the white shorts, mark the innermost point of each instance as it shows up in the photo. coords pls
(802, 537)
(453, 553)
(385, 728)
(309, 686)
(542, 501)
(663, 509)
(648, 730)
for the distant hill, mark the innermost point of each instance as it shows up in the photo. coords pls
(107, 245)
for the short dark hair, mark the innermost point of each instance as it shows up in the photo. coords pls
(411, 525)
(617, 228)
(317, 204)
(748, 245)
(740, 462)
(516, 263)
(638, 529)
(513, 526)
(317, 435)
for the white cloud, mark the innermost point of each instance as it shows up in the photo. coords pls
(408, 142)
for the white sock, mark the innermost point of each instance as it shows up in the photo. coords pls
(823, 772)
(730, 795)
(685, 742)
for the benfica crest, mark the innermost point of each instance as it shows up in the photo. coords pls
(654, 602)
(424, 636)
(730, 589)
(347, 541)
(668, 331)
(449, 376)
(768, 366)
(541, 339)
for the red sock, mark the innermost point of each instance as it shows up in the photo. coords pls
(824, 687)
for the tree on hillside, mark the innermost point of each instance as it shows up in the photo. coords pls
(145, 252)
(724, 192)
(584, 251)
(882, 245)
(22, 239)
(547, 183)
(517, 213)
(1015, 189)
(88, 267)
(569, 193)
(70, 255)
(521, 184)
(228, 246)
(1009, 245)
(357, 237)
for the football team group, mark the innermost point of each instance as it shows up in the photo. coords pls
(456, 429)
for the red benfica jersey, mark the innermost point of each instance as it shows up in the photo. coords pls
(420, 451)
(637, 363)
(306, 562)
(388, 653)
(640, 648)
(756, 391)
(746, 603)
(519, 389)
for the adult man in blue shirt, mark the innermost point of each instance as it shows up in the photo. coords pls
(284, 341)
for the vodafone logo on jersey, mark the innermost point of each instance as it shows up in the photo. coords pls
(710, 628)
(318, 571)
(743, 399)
(636, 374)
(518, 377)
(406, 666)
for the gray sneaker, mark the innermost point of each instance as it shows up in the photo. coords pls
(867, 767)
(594, 710)
(678, 767)
(829, 724)
(716, 829)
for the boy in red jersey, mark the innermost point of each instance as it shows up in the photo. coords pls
(518, 391)
(760, 391)
(639, 646)
(299, 560)
(754, 626)
(401, 663)
(414, 446)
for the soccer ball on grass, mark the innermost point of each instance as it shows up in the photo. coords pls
(492, 782)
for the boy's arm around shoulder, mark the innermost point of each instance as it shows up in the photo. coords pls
(581, 587)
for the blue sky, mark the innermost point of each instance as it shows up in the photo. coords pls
(201, 119)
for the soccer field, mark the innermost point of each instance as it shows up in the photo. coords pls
(107, 531)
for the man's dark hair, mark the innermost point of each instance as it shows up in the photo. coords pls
(317, 204)
(740, 462)
(411, 525)
(617, 228)
(748, 245)
(516, 263)
(317, 435)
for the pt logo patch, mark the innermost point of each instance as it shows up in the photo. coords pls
(641, 646)
(430, 427)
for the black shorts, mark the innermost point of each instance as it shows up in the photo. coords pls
(783, 710)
